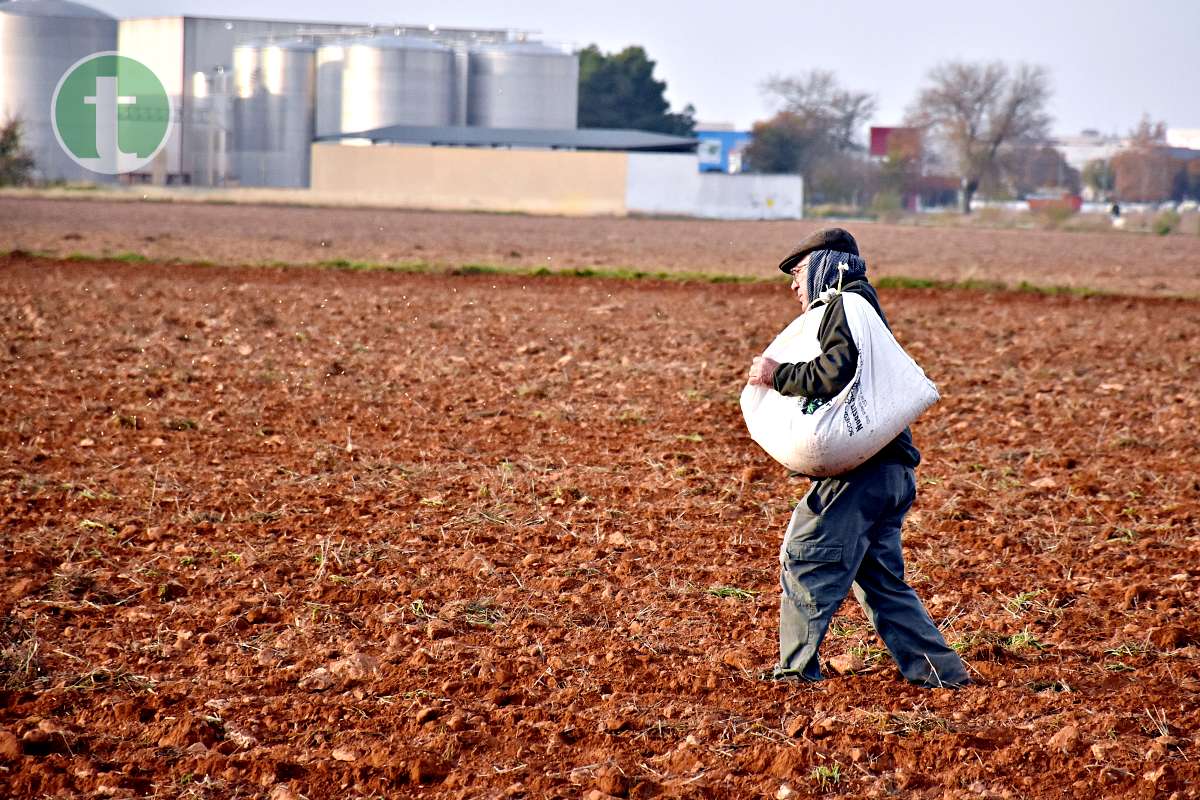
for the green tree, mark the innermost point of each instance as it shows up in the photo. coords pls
(16, 164)
(618, 90)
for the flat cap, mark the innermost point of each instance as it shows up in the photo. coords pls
(836, 239)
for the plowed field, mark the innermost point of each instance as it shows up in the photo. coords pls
(310, 533)
(1112, 261)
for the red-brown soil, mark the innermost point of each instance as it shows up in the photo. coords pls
(290, 532)
(1122, 262)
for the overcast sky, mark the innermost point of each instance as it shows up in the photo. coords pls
(1110, 61)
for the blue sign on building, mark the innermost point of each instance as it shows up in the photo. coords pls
(721, 151)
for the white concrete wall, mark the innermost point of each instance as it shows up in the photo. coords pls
(747, 196)
(669, 183)
(662, 183)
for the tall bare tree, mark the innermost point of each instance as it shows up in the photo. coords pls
(815, 133)
(817, 97)
(975, 109)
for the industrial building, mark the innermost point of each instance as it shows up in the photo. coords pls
(721, 147)
(39, 41)
(405, 115)
(250, 95)
(253, 94)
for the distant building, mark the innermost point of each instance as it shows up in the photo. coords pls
(1187, 138)
(896, 142)
(39, 41)
(193, 57)
(251, 94)
(721, 147)
(1088, 145)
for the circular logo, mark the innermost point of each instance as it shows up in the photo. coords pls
(111, 113)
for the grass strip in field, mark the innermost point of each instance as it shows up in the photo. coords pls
(602, 273)
(971, 284)
(126, 257)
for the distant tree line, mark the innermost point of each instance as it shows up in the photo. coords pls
(984, 128)
(984, 123)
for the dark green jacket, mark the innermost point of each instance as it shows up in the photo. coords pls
(825, 376)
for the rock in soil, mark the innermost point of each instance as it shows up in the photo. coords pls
(847, 664)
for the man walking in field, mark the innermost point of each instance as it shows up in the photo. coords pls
(845, 533)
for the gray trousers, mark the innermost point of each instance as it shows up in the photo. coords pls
(846, 531)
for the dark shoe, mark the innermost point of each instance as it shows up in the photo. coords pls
(778, 674)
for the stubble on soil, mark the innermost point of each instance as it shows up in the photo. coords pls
(1118, 262)
(284, 532)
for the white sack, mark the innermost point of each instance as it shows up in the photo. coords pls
(888, 392)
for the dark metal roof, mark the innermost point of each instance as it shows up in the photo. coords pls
(1183, 153)
(573, 139)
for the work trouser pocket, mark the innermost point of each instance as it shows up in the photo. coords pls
(815, 533)
(810, 551)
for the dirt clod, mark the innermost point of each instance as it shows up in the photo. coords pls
(439, 629)
(48, 737)
(612, 781)
(10, 748)
(427, 714)
(822, 726)
(355, 668)
(738, 659)
(318, 680)
(1133, 595)
(190, 729)
(794, 726)
(428, 770)
(1170, 637)
(1065, 739)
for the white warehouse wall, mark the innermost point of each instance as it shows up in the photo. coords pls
(670, 183)
(662, 183)
(747, 196)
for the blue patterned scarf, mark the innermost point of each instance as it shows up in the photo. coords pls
(824, 275)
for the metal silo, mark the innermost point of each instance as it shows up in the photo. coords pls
(273, 112)
(330, 57)
(39, 41)
(396, 80)
(522, 85)
(212, 125)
